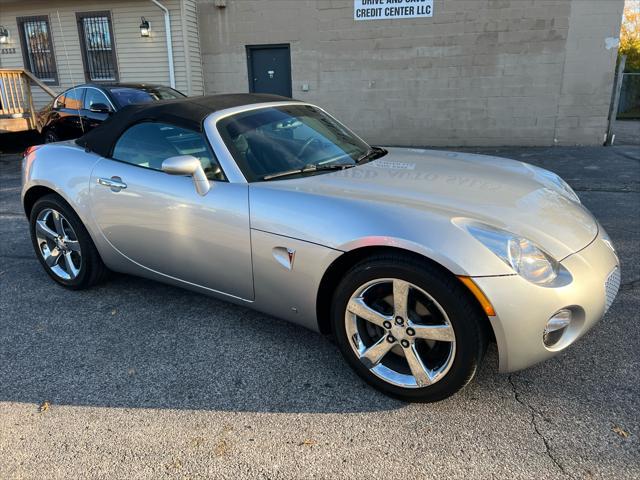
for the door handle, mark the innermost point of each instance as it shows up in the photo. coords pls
(115, 183)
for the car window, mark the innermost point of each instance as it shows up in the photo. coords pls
(272, 140)
(128, 96)
(71, 99)
(93, 96)
(148, 144)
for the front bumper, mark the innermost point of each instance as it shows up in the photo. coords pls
(523, 309)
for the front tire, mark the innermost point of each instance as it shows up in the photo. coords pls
(409, 329)
(63, 244)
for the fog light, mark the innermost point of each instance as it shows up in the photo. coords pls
(555, 327)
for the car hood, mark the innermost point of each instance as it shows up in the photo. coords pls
(515, 196)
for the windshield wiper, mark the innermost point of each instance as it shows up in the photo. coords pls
(309, 168)
(372, 154)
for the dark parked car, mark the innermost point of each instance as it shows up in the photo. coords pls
(81, 108)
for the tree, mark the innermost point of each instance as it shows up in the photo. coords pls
(630, 35)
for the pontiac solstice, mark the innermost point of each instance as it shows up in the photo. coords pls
(413, 260)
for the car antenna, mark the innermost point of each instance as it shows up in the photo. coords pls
(66, 54)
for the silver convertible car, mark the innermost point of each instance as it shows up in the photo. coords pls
(413, 260)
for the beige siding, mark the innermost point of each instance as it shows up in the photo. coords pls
(190, 28)
(139, 59)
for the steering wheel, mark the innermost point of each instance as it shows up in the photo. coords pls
(306, 145)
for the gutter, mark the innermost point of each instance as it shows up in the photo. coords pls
(167, 30)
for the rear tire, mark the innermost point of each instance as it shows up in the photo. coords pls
(422, 346)
(63, 245)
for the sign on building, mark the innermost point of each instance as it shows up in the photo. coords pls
(390, 9)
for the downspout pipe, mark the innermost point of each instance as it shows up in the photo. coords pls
(167, 30)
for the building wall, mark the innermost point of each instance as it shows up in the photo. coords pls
(191, 42)
(139, 59)
(479, 72)
(588, 72)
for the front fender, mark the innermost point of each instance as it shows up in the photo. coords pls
(403, 244)
(348, 224)
(441, 241)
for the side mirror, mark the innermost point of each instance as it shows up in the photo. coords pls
(100, 108)
(188, 165)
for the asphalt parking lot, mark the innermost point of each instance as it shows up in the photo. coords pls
(142, 379)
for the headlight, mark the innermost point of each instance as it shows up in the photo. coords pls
(525, 257)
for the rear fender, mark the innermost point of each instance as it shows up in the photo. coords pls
(65, 169)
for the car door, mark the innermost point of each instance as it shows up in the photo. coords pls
(159, 222)
(68, 107)
(92, 117)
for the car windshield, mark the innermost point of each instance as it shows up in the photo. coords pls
(274, 142)
(127, 95)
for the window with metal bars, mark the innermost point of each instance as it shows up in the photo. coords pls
(37, 48)
(98, 49)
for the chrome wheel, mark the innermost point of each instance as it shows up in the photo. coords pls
(58, 244)
(400, 333)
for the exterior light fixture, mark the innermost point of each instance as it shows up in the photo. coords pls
(145, 27)
(4, 34)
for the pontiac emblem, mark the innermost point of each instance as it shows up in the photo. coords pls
(292, 256)
(285, 256)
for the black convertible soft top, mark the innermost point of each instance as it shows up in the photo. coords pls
(184, 112)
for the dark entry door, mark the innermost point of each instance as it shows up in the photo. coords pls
(269, 69)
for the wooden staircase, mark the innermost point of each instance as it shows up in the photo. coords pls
(17, 113)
